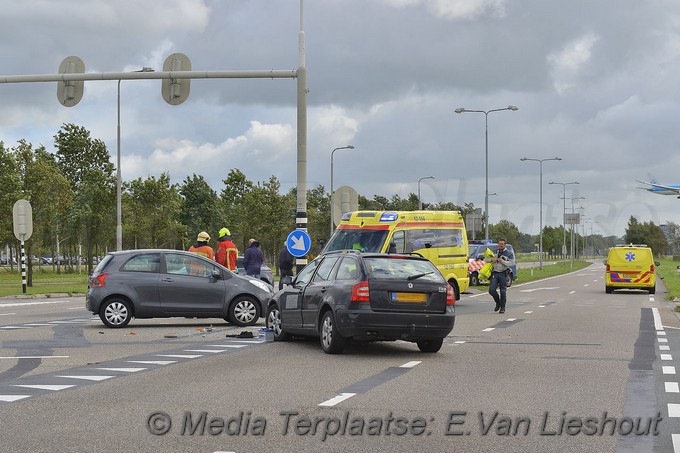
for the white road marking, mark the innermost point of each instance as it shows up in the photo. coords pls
(37, 324)
(88, 377)
(673, 410)
(460, 342)
(125, 370)
(541, 306)
(23, 304)
(14, 327)
(537, 289)
(65, 322)
(657, 319)
(36, 357)
(153, 362)
(676, 442)
(668, 369)
(488, 329)
(672, 387)
(227, 345)
(7, 314)
(664, 348)
(662, 340)
(587, 284)
(511, 319)
(214, 351)
(666, 357)
(54, 388)
(338, 399)
(572, 292)
(660, 332)
(411, 364)
(9, 398)
(179, 356)
(528, 312)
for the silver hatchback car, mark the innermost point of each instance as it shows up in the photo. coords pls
(156, 283)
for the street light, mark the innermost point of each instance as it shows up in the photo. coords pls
(571, 246)
(332, 153)
(540, 202)
(119, 207)
(564, 213)
(486, 154)
(420, 202)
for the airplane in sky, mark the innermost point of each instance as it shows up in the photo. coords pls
(661, 189)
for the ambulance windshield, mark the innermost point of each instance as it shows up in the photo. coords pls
(363, 240)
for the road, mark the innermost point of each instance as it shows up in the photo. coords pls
(565, 366)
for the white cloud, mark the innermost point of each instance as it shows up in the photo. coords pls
(454, 9)
(567, 64)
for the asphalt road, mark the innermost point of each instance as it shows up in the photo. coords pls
(561, 370)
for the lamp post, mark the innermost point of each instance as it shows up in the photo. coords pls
(540, 203)
(486, 154)
(571, 246)
(420, 202)
(119, 203)
(564, 212)
(332, 153)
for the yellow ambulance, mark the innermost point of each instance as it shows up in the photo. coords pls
(630, 267)
(439, 236)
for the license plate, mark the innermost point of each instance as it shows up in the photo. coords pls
(409, 297)
(630, 275)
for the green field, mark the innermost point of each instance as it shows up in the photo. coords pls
(549, 270)
(671, 277)
(45, 281)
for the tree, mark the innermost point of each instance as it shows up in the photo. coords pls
(504, 229)
(156, 206)
(200, 209)
(85, 162)
(646, 233)
(10, 182)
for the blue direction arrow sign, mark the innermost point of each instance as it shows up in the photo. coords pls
(298, 243)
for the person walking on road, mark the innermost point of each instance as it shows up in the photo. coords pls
(227, 253)
(201, 246)
(253, 258)
(285, 263)
(503, 260)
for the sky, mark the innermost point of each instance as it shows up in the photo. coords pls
(595, 83)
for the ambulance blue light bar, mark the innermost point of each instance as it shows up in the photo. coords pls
(389, 217)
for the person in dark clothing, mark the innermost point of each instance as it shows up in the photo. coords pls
(253, 258)
(503, 260)
(285, 263)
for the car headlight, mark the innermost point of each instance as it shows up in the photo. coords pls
(262, 285)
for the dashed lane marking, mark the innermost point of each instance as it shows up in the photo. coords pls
(672, 387)
(88, 377)
(53, 388)
(668, 369)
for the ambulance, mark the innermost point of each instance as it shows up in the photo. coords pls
(439, 236)
(630, 267)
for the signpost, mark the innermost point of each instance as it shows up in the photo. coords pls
(23, 229)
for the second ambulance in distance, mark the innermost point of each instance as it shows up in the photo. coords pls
(439, 236)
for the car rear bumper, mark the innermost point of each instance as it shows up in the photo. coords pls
(368, 324)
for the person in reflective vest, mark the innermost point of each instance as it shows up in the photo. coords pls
(227, 253)
(201, 246)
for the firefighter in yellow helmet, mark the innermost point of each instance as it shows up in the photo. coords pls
(227, 253)
(201, 246)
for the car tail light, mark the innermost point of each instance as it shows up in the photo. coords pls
(607, 269)
(651, 268)
(450, 295)
(99, 281)
(360, 292)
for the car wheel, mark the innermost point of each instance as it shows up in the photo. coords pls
(608, 289)
(430, 345)
(331, 340)
(652, 290)
(244, 312)
(474, 279)
(115, 313)
(273, 322)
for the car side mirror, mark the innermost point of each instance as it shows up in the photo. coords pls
(216, 274)
(287, 280)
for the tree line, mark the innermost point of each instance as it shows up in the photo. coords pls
(73, 195)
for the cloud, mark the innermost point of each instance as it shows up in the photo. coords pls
(567, 64)
(454, 9)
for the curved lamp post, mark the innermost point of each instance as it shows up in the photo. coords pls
(486, 154)
(420, 202)
(540, 202)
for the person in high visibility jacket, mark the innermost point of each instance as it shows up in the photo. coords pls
(227, 253)
(201, 246)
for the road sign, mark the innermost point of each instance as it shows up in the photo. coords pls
(345, 199)
(572, 218)
(298, 243)
(23, 220)
(70, 93)
(176, 91)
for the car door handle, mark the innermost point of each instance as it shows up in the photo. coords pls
(323, 290)
(167, 279)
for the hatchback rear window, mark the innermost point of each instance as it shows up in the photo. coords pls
(102, 264)
(148, 262)
(386, 268)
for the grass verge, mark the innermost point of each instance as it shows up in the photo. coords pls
(45, 281)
